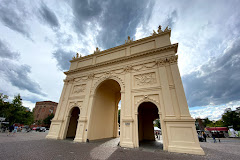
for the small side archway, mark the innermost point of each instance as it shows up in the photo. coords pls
(147, 113)
(73, 121)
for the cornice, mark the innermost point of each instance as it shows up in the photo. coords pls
(122, 46)
(149, 52)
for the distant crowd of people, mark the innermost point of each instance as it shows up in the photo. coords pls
(13, 129)
(214, 136)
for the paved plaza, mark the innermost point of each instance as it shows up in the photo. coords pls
(33, 145)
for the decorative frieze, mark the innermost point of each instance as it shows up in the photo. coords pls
(145, 79)
(90, 76)
(164, 61)
(78, 88)
(173, 59)
(127, 69)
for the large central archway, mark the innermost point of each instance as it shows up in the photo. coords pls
(104, 114)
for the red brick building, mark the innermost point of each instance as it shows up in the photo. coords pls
(43, 109)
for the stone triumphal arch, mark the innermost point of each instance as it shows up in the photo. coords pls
(144, 76)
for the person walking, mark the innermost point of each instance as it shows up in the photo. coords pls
(15, 129)
(214, 137)
(218, 135)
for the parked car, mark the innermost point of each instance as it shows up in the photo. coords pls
(37, 128)
(34, 128)
(42, 129)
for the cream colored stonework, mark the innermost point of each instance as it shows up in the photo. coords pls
(136, 72)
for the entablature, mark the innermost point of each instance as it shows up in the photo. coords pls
(172, 47)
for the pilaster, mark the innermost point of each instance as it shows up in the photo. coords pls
(182, 102)
(126, 119)
(168, 106)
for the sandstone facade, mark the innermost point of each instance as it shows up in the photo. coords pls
(144, 75)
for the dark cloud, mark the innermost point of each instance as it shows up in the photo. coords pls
(14, 17)
(63, 57)
(32, 98)
(6, 53)
(86, 11)
(216, 82)
(117, 19)
(48, 16)
(18, 76)
(120, 19)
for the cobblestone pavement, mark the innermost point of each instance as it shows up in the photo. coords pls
(33, 145)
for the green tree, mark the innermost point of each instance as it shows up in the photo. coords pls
(4, 105)
(39, 122)
(47, 120)
(231, 118)
(207, 122)
(157, 123)
(13, 111)
(119, 113)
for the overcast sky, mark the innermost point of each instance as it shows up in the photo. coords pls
(38, 38)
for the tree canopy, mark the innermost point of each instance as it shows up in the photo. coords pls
(13, 111)
(47, 120)
(231, 118)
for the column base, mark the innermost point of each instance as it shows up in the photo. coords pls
(78, 140)
(198, 151)
(127, 144)
(52, 137)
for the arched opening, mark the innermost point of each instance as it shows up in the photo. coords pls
(104, 114)
(72, 127)
(149, 129)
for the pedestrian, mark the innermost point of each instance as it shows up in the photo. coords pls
(218, 137)
(214, 137)
(205, 137)
(11, 128)
(15, 129)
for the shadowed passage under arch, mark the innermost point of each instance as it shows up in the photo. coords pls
(72, 127)
(104, 114)
(147, 113)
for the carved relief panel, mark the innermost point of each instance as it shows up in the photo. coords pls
(147, 79)
(78, 88)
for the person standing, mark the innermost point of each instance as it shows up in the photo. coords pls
(11, 128)
(205, 137)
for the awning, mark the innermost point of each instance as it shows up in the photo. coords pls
(216, 129)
